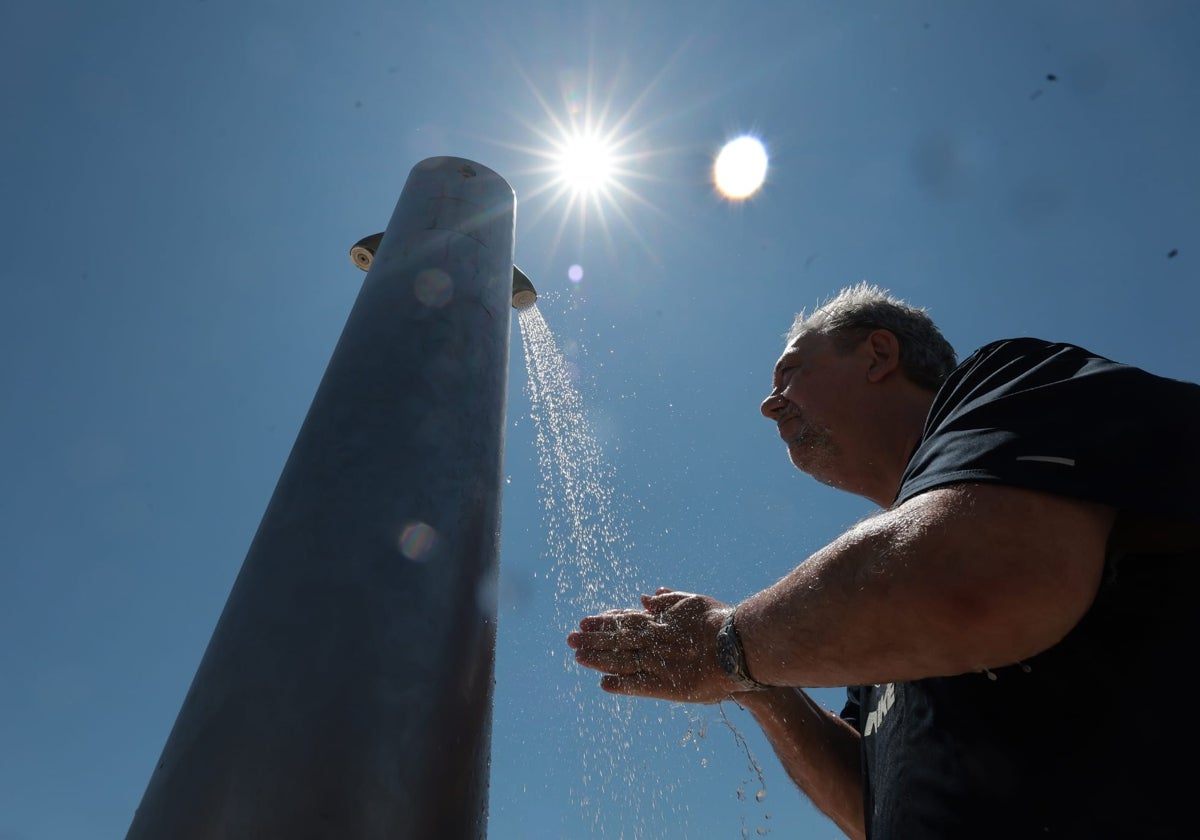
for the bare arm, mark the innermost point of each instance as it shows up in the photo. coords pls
(955, 580)
(818, 749)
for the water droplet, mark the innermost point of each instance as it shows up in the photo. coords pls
(588, 545)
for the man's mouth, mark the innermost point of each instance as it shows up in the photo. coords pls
(791, 428)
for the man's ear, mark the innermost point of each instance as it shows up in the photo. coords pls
(884, 350)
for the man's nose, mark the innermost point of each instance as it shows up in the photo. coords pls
(772, 405)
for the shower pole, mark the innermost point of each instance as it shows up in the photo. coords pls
(346, 691)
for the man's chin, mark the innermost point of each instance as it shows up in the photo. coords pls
(810, 462)
(802, 460)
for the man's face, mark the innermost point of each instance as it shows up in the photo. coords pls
(812, 402)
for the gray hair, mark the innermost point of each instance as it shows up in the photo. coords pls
(926, 357)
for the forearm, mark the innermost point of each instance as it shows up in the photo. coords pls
(819, 751)
(822, 624)
(956, 580)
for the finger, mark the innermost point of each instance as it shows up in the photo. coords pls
(610, 662)
(610, 640)
(626, 622)
(656, 604)
(661, 687)
(615, 614)
(615, 618)
(640, 684)
(629, 684)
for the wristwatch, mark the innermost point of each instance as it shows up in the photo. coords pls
(732, 657)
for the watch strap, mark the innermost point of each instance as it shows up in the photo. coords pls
(732, 657)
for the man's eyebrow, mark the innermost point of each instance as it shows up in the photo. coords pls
(786, 357)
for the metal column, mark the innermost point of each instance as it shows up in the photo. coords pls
(346, 691)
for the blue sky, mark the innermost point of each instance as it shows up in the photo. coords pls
(183, 182)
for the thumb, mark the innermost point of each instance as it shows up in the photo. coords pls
(662, 600)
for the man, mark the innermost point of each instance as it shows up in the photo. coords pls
(1015, 626)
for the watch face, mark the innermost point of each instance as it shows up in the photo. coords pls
(727, 650)
(732, 658)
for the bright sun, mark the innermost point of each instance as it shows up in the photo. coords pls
(588, 156)
(586, 164)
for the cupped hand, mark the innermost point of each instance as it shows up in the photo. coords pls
(668, 650)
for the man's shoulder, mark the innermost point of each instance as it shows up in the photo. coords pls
(1025, 347)
(1032, 361)
(1026, 361)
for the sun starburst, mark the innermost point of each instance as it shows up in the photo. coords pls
(586, 164)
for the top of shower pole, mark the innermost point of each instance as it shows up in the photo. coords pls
(362, 253)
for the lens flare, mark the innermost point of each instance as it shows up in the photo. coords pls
(417, 540)
(433, 287)
(741, 167)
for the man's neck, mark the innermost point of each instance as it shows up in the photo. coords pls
(900, 429)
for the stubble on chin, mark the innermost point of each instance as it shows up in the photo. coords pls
(813, 451)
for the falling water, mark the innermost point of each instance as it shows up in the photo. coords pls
(589, 543)
(587, 539)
